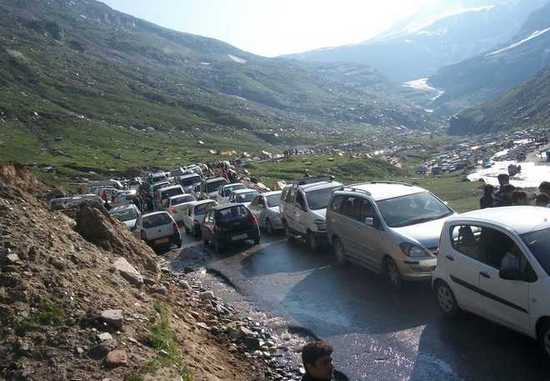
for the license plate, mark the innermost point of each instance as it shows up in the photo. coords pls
(239, 237)
(162, 241)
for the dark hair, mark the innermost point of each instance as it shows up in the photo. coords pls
(508, 188)
(519, 196)
(542, 199)
(544, 187)
(314, 351)
(503, 176)
(488, 189)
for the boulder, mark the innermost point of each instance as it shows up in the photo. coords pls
(128, 271)
(116, 358)
(113, 318)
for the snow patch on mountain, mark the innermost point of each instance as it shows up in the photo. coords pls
(423, 85)
(533, 35)
(237, 59)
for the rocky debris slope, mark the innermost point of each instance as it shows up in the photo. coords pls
(83, 300)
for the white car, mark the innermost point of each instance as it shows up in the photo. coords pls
(164, 194)
(496, 263)
(124, 197)
(127, 214)
(194, 216)
(243, 196)
(158, 230)
(225, 192)
(189, 181)
(177, 206)
(304, 207)
(265, 207)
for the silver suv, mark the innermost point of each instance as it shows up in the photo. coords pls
(303, 209)
(390, 228)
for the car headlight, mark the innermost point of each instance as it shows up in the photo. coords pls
(321, 224)
(413, 251)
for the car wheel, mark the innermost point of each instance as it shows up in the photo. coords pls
(217, 246)
(446, 300)
(269, 227)
(312, 242)
(339, 251)
(544, 338)
(393, 274)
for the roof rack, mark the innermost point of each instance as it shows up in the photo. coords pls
(312, 180)
(351, 188)
(381, 182)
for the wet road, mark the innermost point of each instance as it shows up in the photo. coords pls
(377, 334)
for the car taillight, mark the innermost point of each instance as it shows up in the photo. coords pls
(252, 219)
(173, 210)
(143, 235)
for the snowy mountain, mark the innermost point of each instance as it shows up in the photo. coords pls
(442, 34)
(493, 73)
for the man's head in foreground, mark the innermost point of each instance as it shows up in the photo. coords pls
(317, 360)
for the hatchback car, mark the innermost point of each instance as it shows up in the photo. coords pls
(228, 224)
(389, 228)
(225, 191)
(158, 230)
(265, 208)
(194, 216)
(176, 206)
(495, 263)
(128, 214)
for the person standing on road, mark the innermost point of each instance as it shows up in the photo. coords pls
(317, 360)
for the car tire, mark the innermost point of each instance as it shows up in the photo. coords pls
(312, 242)
(339, 251)
(446, 300)
(392, 274)
(269, 227)
(544, 338)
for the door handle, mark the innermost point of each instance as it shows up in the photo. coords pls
(450, 258)
(485, 275)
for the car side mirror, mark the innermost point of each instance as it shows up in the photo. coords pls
(369, 221)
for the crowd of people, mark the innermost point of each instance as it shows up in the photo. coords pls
(508, 195)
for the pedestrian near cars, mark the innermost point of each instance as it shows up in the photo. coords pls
(544, 188)
(504, 195)
(519, 198)
(488, 198)
(542, 199)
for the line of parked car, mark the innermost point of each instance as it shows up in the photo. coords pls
(494, 262)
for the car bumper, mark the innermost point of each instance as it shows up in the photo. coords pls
(228, 238)
(418, 270)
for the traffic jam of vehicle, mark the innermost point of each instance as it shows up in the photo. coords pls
(494, 263)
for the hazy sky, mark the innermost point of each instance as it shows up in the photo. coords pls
(273, 27)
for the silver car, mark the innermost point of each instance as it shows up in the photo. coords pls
(265, 208)
(389, 228)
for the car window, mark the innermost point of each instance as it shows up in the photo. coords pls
(229, 214)
(487, 245)
(255, 202)
(336, 204)
(367, 210)
(125, 214)
(245, 197)
(182, 200)
(273, 201)
(351, 207)
(319, 199)
(412, 209)
(202, 209)
(156, 220)
(213, 186)
(539, 244)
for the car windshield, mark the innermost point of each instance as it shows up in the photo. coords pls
(156, 220)
(232, 188)
(231, 214)
(182, 200)
(125, 215)
(171, 192)
(201, 210)
(319, 199)
(213, 187)
(412, 209)
(246, 197)
(159, 186)
(273, 201)
(190, 181)
(539, 244)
